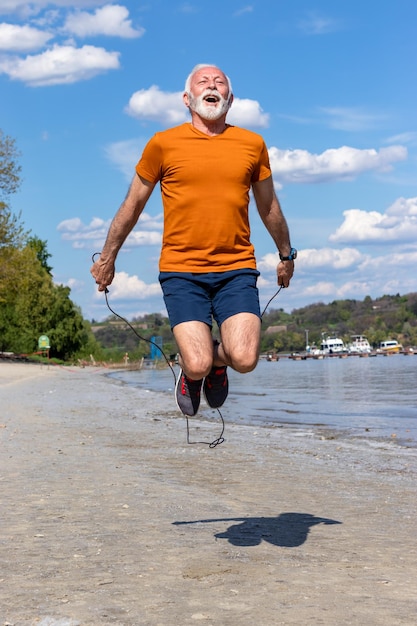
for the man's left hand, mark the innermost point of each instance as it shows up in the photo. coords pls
(285, 270)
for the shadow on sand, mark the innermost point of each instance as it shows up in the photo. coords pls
(286, 530)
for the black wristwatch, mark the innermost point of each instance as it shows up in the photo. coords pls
(292, 255)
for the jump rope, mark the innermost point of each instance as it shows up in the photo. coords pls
(220, 438)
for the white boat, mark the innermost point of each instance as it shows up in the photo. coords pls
(330, 345)
(359, 344)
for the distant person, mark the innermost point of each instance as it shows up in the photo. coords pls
(206, 170)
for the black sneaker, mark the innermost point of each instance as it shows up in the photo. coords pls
(216, 387)
(187, 394)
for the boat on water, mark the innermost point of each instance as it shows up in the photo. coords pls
(330, 345)
(359, 345)
(391, 346)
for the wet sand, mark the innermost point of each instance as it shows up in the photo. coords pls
(110, 517)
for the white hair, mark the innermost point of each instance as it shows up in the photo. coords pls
(201, 66)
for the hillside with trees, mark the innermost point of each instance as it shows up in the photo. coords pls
(388, 317)
(116, 337)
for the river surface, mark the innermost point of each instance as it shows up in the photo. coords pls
(374, 397)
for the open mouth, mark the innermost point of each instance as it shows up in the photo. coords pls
(211, 99)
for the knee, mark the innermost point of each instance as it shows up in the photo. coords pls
(197, 367)
(244, 362)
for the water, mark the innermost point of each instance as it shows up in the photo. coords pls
(374, 397)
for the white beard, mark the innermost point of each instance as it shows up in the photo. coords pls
(206, 111)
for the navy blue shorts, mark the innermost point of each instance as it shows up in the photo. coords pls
(201, 297)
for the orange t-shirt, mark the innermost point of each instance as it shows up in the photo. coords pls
(205, 183)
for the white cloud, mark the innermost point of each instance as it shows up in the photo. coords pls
(366, 275)
(330, 259)
(386, 273)
(168, 108)
(125, 287)
(404, 207)
(329, 291)
(93, 235)
(154, 104)
(14, 38)
(399, 223)
(244, 112)
(151, 222)
(327, 274)
(310, 260)
(355, 289)
(244, 10)
(319, 289)
(268, 262)
(60, 65)
(84, 236)
(31, 7)
(392, 261)
(124, 155)
(351, 119)
(403, 138)
(345, 163)
(187, 8)
(315, 24)
(71, 225)
(111, 20)
(47, 19)
(143, 238)
(74, 284)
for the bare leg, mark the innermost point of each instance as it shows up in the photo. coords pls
(195, 344)
(239, 347)
(240, 341)
(198, 354)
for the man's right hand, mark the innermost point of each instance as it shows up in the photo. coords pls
(103, 273)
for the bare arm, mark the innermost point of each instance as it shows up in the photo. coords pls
(123, 223)
(272, 216)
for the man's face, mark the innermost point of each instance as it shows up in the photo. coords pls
(209, 94)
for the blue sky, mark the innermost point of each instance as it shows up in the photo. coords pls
(331, 86)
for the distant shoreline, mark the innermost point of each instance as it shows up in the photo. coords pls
(247, 399)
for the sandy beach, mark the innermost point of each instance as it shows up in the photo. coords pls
(110, 517)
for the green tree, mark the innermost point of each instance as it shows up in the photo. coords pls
(9, 167)
(24, 296)
(66, 327)
(11, 228)
(42, 254)
(32, 306)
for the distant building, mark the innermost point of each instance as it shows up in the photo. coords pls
(272, 330)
